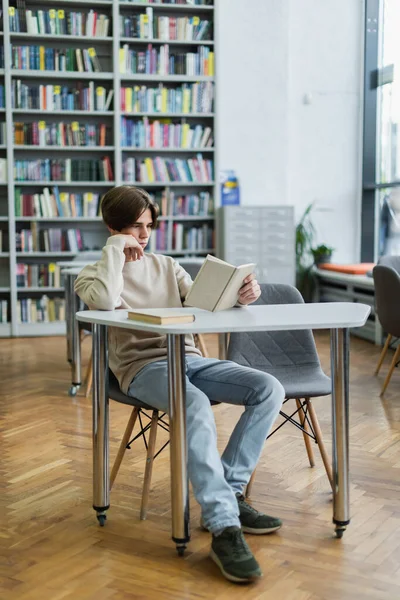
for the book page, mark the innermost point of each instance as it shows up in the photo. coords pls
(209, 284)
(230, 296)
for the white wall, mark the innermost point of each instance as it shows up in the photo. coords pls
(286, 151)
(252, 91)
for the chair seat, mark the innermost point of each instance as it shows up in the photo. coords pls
(115, 393)
(303, 382)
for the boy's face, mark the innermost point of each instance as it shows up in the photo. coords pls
(141, 230)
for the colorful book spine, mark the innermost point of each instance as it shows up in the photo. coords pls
(51, 203)
(48, 240)
(187, 98)
(50, 97)
(192, 238)
(61, 134)
(65, 169)
(58, 22)
(157, 169)
(161, 61)
(41, 310)
(38, 275)
(164, 134)
(41, 58)
(146, 26)
(187, 205)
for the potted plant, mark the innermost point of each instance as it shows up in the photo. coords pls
(305, 233)
(322, 254)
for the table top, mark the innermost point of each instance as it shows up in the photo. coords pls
(345, 277)
(278, 317)
(73, 271)
(74, 263)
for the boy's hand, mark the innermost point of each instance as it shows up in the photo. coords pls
(133, 250)
(250, 290)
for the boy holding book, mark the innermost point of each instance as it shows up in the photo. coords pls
(126, 277)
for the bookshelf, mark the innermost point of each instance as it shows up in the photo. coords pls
(156, 80)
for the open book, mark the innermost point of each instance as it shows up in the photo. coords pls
(217, 284)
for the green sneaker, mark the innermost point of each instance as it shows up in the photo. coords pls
(233, 556)
(253, 521)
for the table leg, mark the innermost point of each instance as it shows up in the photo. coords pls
(75, 347)
(340, 428)
(68, 286)
(101, 471)
(178, 439)
(223, 342)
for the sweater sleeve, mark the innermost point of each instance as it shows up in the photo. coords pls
(100, 285)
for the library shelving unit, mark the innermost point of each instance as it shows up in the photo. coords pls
(145, 118)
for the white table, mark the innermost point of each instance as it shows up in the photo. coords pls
(338, 317)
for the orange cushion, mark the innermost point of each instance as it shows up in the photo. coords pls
(358, 269)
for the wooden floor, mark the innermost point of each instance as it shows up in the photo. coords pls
(52, 547)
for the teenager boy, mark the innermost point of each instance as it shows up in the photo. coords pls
(127, 277)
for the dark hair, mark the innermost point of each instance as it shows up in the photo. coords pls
(122, 206)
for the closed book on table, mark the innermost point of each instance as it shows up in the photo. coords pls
(160, 317)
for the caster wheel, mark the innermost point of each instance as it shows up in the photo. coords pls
(339, 533)
(73, 390)
(102, 520)
(181, 550)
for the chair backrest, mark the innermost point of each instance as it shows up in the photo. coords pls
(387, 298)
(275, 351)
(390, 261)
(191, 265)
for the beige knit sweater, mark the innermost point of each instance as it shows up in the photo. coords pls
(155, 281)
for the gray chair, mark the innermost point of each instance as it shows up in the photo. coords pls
(292, 358)
(390, 261)
(387, 301)
(147, 424)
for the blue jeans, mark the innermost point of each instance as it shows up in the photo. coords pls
(216, 479)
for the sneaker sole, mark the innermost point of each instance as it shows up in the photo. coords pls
(258, 531)
(230, 577)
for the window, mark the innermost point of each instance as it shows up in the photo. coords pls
(381, 145)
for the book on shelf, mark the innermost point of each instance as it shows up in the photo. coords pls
(195, 238)
(1, 241)
(2, 96)
(38, 275)
(3, 311)
(187, 98)
(3, 170)
(157, 169)
(43, 58)
(180, 2)
(161, 316)
(161, 61)
(80, 96)
(48, 240)
(217, 284)
(51, 203)
(3, 134)
(40, 310)
(171, 204)
(147, 26)
(57, 22)
(41, 133)
(145, 133)
(65, 169)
